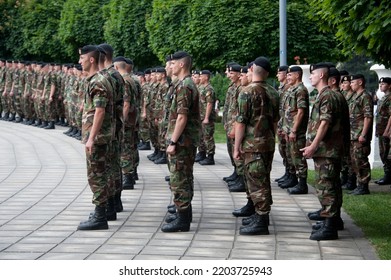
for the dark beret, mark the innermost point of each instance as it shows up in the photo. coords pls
(148, 71)
(128, 61)
(320, 65)
(282, 68)
(87, 49)
(160, 70)
(263, 62)
(235, 68)
(119, 59)
(386, 80)
(231, 63)
(333, 72)
(179, 55)
(244, 69)
(295, 69)
(344, 73)
(168, 58)
(27, 63)
(78, 67)
(357, 77)
(196, 72)
(345, 79)
(140, 73)
(106, 48)
(2, 60)
(205, 72)
(250, 64)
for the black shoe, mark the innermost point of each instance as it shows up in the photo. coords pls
(385, 180)
(11, 117)
(240, 187)
(44, 124)
(174, 216)
(50, 125)
(289, 183)
(344, 177)
(338, 223)
(118, 202)
(351, 184)
(283, 177)
(181, 223)
(200, 156)
(259, 226)
(300, 188)
(97, 221)
(162, 159)
(111, 213)
(231, 177)
(151, 156)
(361, 189)
(167, 178)
(37, 123)
(327, 232)
(171, 209)
(209, 160)
(246, 210)
(127, 182)
(68, 131)
(315, 216)
(144, 146)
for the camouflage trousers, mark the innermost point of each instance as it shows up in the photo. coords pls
(163, 125)
(153, 134)
(50, 112)
(97, 173)
(359, 154)
(41, 109)
(114, 168)
(181, 176)
(384, 150)
(283, 150)
(207, 142)
(128, 151)
(328, 185)
(28, 107)
(347, 165)
(17, 104)
(257, 168)
(230, 150)
(36, 108)
(144, 130)
(296, 156)
(5, 103)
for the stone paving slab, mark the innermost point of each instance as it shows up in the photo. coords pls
(44, 195)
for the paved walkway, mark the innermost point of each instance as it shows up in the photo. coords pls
(44, 195)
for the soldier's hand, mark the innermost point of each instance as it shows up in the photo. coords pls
(292, 137)
(362, 139)
(5, 93)
(236, 154)
(205, 121)
(386, 134)
(308, 151)
(171, 149)
(89, 146)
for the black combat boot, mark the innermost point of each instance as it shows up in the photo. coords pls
(231, 177)
(127, 182)
(11, 117)
(144, 146)
(246, 210)
(167, 178)
(209, 160)
(315, 216)
(50, 125)
(5, 116)
(361, 189)
(37, 123)
(162, 159)
(31, 122)
(338, 223)
(300, 188)
(78, 135)
(351, 184)
(68, 131)
(290, 182)
(200, 156)
(118, 202)
(238, 186)
(111, 213)
(44, 124)
(151, 156)
(181, 223)
(172, 217)
(327, 232)
(283, 177)
(74, 132)
(385, 180)
(258, 226)
(97, 221)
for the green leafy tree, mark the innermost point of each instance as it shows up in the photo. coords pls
(8, 12)
(81, 24)
(361, 26)
(125, 30)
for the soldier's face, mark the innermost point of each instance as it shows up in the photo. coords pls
(281, 76)
(85, 62)
(203, 79)
(234, 76)
(196, 78)
(384, 87)
(168, 69)
(292, 78)
(346, 86)
(355, 84)
(315, 77)
(175, 67)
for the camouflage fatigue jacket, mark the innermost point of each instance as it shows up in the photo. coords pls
(259, 112)
(168, 99)
(233, 109)
(2, 79)
(383, 113)
(282, 91)
(185, 100)
(295, 98)
(9, 80)
(130, 96)
(230, 91)
(207, 95)
(158, 112)
(360, 107)
(99, 95)
(328, 106)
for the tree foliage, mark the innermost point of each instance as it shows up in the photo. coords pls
(361, 26)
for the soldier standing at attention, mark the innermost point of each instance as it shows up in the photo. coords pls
(183, 135)
(326, 143)
(96, 135)
(361, 123)
(255, 138)
(295, 121)
(208, 116)
(383, 129)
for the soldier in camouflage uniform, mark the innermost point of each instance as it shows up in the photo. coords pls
(255, 136)
(97, 134)
(2, 84)
(144, 123)
(50, 98)
(6, 99)
(383, 128)
(38, 90)
(327, 141)
(230, 91)
(361, 123)
(235, 183)
(208, 117)
(28, 106)
(183, 136)
(294, 125)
